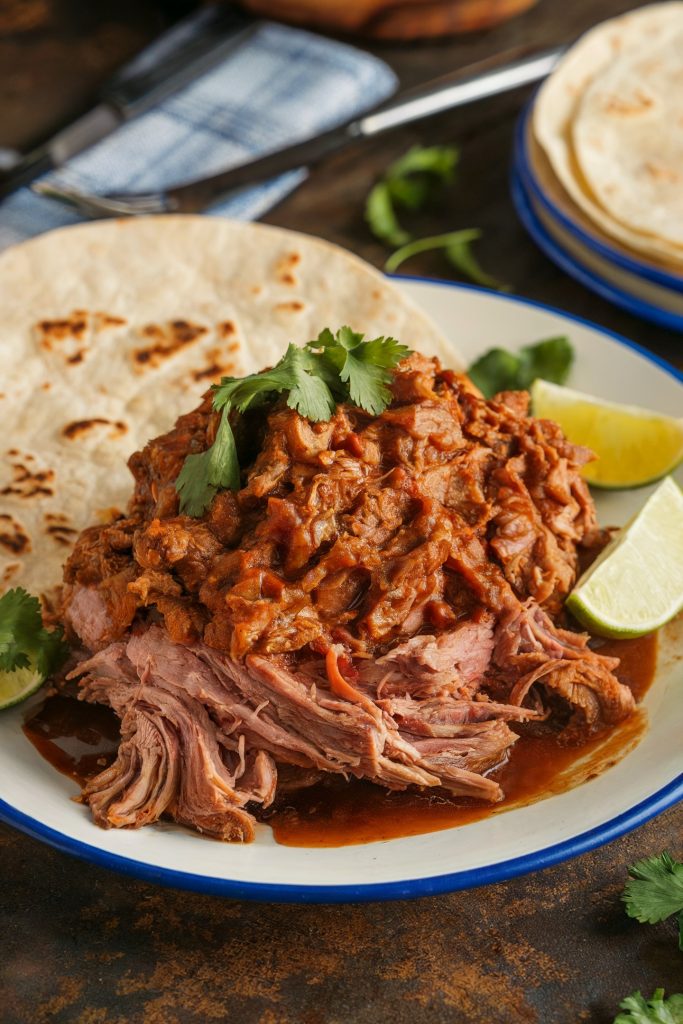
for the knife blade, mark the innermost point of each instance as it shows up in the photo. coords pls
(192, 46)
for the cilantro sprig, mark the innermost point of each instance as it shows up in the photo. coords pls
(655, 891)
(408, 183)
(24, 641)
(333, 368)
(457, 248)
(502, 370)
(411, 183)
(657, 1010)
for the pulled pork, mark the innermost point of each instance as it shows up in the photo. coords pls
(378, 600)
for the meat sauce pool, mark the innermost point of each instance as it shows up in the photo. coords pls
(80, 740)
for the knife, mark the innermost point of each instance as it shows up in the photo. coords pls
(192, 46)
(505, 72)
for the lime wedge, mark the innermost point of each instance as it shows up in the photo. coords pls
(636, 584)
(634, 446)
(18, 685)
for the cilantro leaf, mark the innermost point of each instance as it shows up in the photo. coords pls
(501, 370)
(497, 370)
(381, 216)
(333, 367)
(310, 395)
(425, 244)
(363, 365)
(550, 359)
(457, 248)
(438, 161)
(657, 1010)
(224, 468)
(655, 891)
(193, 484)
(459, 254)
(408, 183)
(24, 641)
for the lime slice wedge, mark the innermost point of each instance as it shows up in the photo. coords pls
(636, 584)
(18, 685)
(634, 446)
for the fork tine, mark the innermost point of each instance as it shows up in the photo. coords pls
(103, 206)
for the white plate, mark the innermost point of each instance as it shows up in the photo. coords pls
(34, 797)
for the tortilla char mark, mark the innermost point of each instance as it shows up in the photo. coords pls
(57, 527)
(284, 269)
(27, 482)
(13, 537)
(10, 571)
(78, 428)
(71, 336)
(166, 342)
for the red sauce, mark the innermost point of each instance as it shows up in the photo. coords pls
(81, 739)
(78, 739)
(339, 813)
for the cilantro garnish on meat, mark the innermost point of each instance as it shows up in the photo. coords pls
(333, 368)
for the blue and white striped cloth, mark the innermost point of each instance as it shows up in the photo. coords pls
(279, 87)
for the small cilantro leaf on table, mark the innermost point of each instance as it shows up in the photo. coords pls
(457, 247)
(408, 183)
(657, 1010)
(332, 368)
(411, 183)
(655, 891)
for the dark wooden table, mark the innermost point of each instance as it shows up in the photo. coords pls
(80, 944)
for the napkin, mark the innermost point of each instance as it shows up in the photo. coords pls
(281, 86)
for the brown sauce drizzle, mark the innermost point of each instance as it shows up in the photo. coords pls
(80, 740)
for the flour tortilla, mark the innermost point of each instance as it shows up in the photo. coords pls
(628, 139)
(560, 98)
(111, 330)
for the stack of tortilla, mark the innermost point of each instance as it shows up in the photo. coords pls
(600, 154)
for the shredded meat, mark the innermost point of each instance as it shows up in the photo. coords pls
(377, 600)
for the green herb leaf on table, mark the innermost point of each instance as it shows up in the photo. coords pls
(501, 370)
(655, 891)
(332, 368)
(24, 641)
(408, 183)
(657, 1010)
(381, 216)
(457, 246)
(459, 254)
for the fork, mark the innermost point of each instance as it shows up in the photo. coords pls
(503, 73)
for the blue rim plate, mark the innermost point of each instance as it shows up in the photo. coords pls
(619, 257)
(35, 798)
(589, 278)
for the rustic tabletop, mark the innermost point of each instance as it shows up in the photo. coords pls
(80, 944)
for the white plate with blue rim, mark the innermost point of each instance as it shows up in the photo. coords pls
(37, 799)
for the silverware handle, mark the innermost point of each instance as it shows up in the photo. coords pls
(479, 81)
